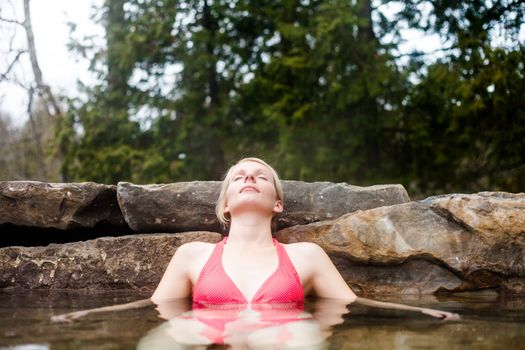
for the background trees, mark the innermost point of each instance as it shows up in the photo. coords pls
(27, 151)
(318, 88)
(465, 115)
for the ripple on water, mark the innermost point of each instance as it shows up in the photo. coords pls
(488, 321)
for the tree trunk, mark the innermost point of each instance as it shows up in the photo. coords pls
(118, 70)
(215, 149)
(43, 90)
(366, 31)
(211, 27)
(368, 107)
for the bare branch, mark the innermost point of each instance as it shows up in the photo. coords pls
(43, 89)
(31, 44)
(11, 21)
(17, 164)
(36, 136)
(19, 83)
(425, 53)
(3, 76)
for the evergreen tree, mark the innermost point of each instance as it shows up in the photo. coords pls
(465, 117)
(98, 139)
(311, 86)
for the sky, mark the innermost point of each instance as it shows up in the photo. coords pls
(62, 69)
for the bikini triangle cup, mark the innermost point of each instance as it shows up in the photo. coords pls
(214, 286)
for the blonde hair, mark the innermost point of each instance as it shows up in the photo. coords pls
(224, 218)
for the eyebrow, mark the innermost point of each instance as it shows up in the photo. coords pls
(258, 171)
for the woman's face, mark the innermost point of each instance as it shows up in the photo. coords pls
(251, 187)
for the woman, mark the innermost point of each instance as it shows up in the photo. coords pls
(249, 266)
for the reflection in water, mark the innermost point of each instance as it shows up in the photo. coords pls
(242, 326)
(487, 321)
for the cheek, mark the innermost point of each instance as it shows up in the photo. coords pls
(270, 188)
(230, 191)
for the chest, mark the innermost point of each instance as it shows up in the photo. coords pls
(233, 276)
(243, 276)
(249, 271)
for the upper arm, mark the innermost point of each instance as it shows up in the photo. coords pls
(176, 282)
(326, 280)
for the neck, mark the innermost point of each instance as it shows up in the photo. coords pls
(250, 230)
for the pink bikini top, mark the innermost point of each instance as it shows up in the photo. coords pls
(214, 286)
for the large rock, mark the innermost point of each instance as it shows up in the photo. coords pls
(59, 205)
(445, 243)
(176, 207)
(187, 206)
(128, 262)
(306, 202)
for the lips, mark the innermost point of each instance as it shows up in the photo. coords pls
(249, 188)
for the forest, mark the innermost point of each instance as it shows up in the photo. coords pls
(319, 89)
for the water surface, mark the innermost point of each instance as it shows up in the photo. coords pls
(488, 321)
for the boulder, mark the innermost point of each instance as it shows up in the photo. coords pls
(176, 207)
(59, 205)
(306, 202)
(458, 242)
(446, 243)
(127, 262)
(187, 206)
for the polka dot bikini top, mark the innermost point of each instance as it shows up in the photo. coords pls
(214, 286)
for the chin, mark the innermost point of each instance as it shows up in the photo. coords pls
(251, 206)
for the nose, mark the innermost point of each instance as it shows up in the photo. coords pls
(249, 177)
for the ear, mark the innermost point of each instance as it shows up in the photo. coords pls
(278, 207)
(226, 208)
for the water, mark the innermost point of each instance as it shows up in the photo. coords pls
(488, 321)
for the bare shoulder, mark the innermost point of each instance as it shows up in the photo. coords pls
(194, 249)
(193, 255)
(305, 255)
(306, 258)
(304, 249)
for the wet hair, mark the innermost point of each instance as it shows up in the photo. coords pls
(224, 218)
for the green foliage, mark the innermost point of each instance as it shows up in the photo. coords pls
(190, 86)
(465, 115)
(467, 123)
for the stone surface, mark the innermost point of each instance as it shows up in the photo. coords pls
(452, 243)
(445, 243)
(176, 207)
(59, 205)
(306, 202)
(128, 262)
(188, 206)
